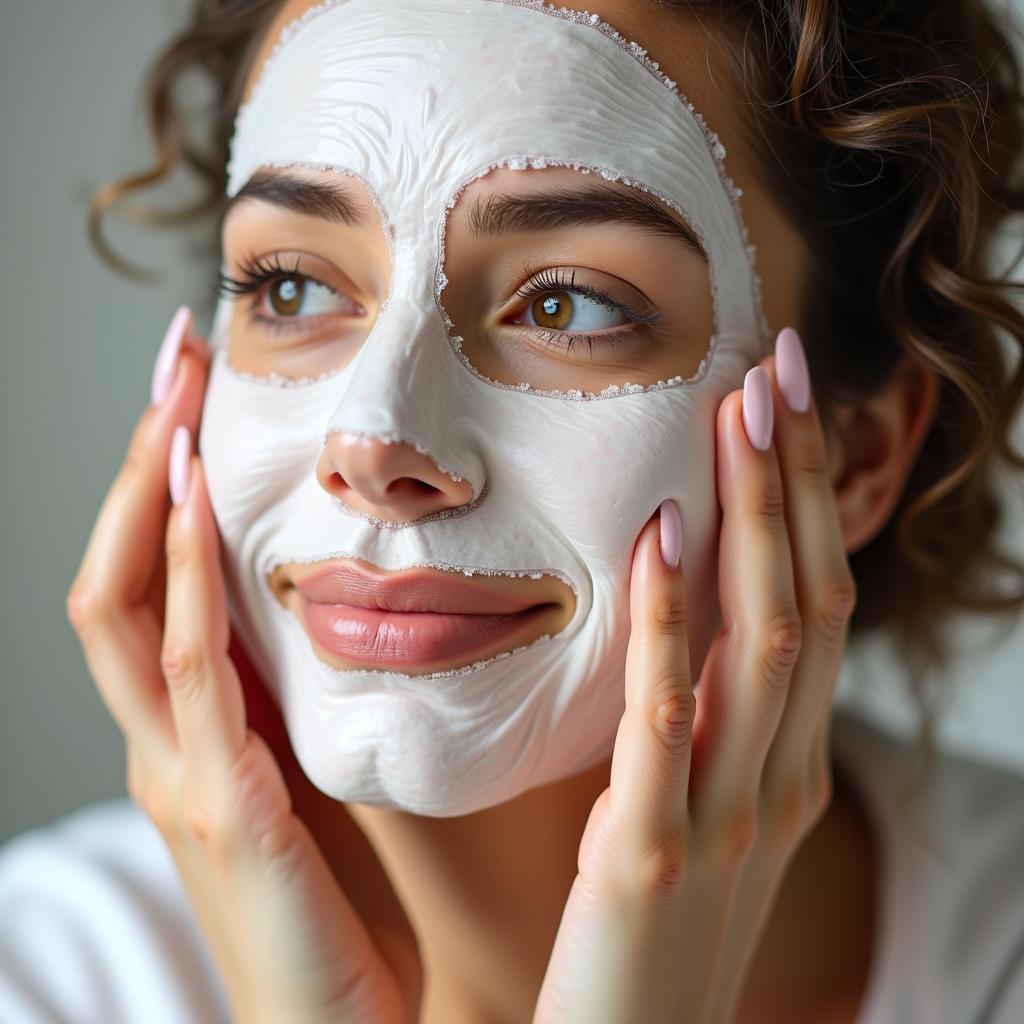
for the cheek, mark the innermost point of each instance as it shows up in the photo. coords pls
(595, 471)
(590, 474)
(259, 443)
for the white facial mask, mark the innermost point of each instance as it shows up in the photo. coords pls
(446, 90)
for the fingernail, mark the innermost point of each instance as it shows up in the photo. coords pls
(757, 408)
(167, 357)
(180, 462)
(791, 370)
(670, 533)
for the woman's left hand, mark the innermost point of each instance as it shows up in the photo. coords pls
(684, 852)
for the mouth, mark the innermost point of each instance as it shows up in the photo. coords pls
(416, 620)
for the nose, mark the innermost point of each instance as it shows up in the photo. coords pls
(394, 482)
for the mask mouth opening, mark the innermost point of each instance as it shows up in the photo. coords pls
(426, 619)
(421, 587)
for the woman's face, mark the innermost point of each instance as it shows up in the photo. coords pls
(461, 441)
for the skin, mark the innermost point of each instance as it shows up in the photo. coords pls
(485, 893)
(445, 869)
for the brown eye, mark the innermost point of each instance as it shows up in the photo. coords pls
(286, 295)
(553, 309)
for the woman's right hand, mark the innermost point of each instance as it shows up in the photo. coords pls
(148, 604)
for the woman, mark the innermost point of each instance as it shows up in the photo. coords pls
(465, 815)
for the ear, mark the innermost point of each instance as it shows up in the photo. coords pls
(873, 445)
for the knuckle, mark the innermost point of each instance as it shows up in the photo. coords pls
(766, 504)
(85, 607)
(675, 711)
(813, 464)
(661, 867)
(177, 551)
(793, 815)
(784, 639)
(668, 616)
(737, 835)
(205, 828)
(256, 791)
(836, 605)
(181, 662)
(799, 808)
(780, 646)
(209, 818)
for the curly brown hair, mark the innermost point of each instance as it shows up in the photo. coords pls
(892, 136)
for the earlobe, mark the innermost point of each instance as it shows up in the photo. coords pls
(875, 448)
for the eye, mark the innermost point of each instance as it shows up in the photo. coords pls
(571, 311)
(281, 294)
(297, 295)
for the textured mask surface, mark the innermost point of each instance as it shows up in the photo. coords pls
(417, 98)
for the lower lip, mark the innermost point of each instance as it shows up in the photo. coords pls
(413, 639)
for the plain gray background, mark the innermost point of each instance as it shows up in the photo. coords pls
(78, 351)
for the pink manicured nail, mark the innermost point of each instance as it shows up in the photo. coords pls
(670, 533)
(178, 470)
(757, 408)
(791, 370)
(167, 357)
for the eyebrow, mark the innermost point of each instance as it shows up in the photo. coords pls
(312, 198)
(490, 217)
(596, 204)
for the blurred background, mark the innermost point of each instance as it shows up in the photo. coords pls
(77, 353)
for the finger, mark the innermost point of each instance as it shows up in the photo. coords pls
(651, 760)
(126, 543)
(109, 602)
(824, 582)
(123, 658)
(751, 669)
(205, 692)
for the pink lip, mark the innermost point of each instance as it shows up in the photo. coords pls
(411, 639)
(417, 618)
(413, 590)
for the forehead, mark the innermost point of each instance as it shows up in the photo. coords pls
(696, 53)
(689, 52)
(684, 46)
(454, 86)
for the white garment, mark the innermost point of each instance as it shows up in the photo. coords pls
(95, 926)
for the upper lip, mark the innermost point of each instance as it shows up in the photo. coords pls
(412, 590)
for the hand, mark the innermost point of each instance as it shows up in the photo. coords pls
(242, 826)
(710, 796)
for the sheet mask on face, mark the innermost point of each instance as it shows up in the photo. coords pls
(563, 482)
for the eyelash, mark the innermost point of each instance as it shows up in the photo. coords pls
(255, 273)
(555, 280)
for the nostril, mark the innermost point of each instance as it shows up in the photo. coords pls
(336, 481)
(410, 486)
